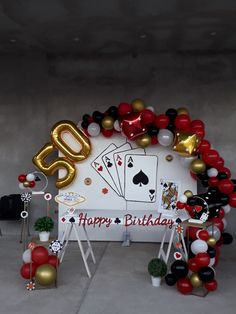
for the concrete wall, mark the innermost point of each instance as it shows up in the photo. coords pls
(36, 92)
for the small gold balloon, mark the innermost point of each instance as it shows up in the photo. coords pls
(182, 110)
(195, 280)
(108, 123)
(26, 184)
(138, 105)
(188, 193)
(45, 274)
(169, 158)
(144, 140)
(185, 144)
(211, 241)
(197, 166)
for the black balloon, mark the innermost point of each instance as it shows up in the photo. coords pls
(170, 280)
(211, 251)
(113, 112)
(223, 199)
(171, 113)
(227, 238)
(85, 117)
(152, 130)
(84, 124)
(205, 183)
(179, 269)
(97, 117)
(206, 274)
(203, 176)
(212, 190)
(171, 127)
(192, 201)
(222, 175)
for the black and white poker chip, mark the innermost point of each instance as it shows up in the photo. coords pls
(55, 246)
(26, 197)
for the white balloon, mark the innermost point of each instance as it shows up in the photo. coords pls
(79, 124)
(225, 223)
(212, 261)
(94, 129)
(30, 177)
(199, 246)
(183, 198)
(227, 209)
(186, 161)
(151, 108)
(117, 126)
(165, 137)
(214, 231)
(21, 186)
(27, 256)
(212, 172)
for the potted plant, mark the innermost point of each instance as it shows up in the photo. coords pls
(157, 268)
(44, 225)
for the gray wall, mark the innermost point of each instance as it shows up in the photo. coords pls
(36, 92)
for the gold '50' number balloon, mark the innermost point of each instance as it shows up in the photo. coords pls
(71, 155)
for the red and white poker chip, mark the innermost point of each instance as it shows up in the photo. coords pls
(47, 196)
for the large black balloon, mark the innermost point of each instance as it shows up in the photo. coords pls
(85, 117)
(97, 117)
(179, 269)
(84, 124)
(222, 175)
(171, 127)
(171, 113)
(206, 274)
(152, 130)
(223, 199)
(170, 280)
(227, 238)
(113, 112)
(211, 251)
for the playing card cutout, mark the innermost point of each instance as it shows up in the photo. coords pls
(169, 195)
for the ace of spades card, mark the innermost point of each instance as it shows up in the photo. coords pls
(169, 195)
(140, 178)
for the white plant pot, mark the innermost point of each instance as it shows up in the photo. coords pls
(44, 236)
(156, 281)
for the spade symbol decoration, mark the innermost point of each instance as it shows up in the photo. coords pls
(140, 179)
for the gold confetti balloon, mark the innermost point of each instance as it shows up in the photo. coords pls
(45, 274)
(138, 105)
(108, 123)
(197, 166)
(186, 143)
(195, 280)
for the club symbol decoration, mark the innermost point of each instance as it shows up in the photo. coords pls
(109, 164)
(140, 179)
(117, 221)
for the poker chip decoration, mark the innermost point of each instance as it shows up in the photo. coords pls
(47, 196)
(26, 197)
(179, 229)
(55, 246)
(30, 286)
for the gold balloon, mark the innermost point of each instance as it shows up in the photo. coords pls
(144, 140)
(108, 123)
(50, 168)
(182, 110)
(197, 166)
(45, 274)
(211, 241)
(188, 193)
(67, 126)
(186, 143)
(195, 280)
(26, 184)
(138, 105)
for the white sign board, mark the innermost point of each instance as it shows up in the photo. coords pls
(121, 183)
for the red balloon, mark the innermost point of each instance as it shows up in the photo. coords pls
(190, 210)
(147, 116)
(161, 121)
(154, 140)
(226, 186)
(219, 164)
(232, 199)
(191, 231)
(220, 241)
(226, 170)
(210, 157)
(204, 146)
(40, 255)
(124, 108)
(32, 184)
(200, 133)
(25, 270)
(107, 133)
(193, 265)
(218, 223)
(197, 124)
(182, 122)
(202, 259)
(203, 235)
(193, 175)
(53, 260)
(217, 249)
(180, 205)
(213, 181)
(211, 285)
(184, 286)
(221, 213)
(22, 178)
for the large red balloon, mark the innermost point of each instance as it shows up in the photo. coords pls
(53, 260)
(107, 133)
(213, 181)
(204, 146)
(124, 108)
(221, 213)
(218, 223)
(197, 124)
(25, 270)
(203, 235)
(40, 255)
(211, 285)
(202, 259)
(147, 116)
(200, 133)
(182, 122)
(191, 231)
(22, 178)
(184, 286)
(232, 199)
(226, 186)
(210, 157)
(226, 170)
(219, 164)
(193, 265)
(161, 121)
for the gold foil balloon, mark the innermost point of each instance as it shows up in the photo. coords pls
(197, 166)
(69, 127)
(186, 143)
(182, 110)
(195, 280)
(188, 193)
(144, 140)
(50, 168)
(45, 274)
(211, 241)
(138, 105)
(108, 123)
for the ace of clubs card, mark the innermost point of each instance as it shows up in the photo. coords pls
(140, 178)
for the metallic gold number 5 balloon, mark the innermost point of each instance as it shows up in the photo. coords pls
(70, 155)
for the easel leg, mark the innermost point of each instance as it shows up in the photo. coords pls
(66, 237)
(89, 245)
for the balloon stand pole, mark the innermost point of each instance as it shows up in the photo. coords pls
(25, 226)
(48, 208)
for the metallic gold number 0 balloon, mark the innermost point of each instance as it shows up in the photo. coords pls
(71, 156)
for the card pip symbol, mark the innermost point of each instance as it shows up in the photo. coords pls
(140, 179)
(117, 221)
(104, 191)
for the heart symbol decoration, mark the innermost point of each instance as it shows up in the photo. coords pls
(177, 255)
(132, 127)
(100, 168)
(198, 208)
